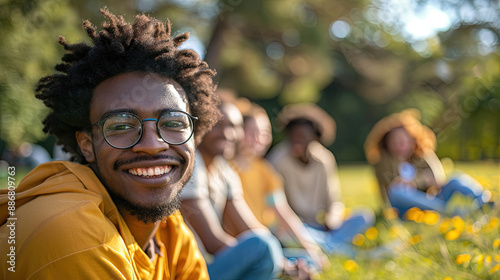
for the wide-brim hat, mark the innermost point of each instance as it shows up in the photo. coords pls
(409, 119)
(311, 112)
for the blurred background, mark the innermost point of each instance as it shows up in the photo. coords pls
(359, 60)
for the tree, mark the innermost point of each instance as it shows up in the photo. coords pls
(28, 50)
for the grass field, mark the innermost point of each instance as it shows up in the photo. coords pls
(427, 245)
(359, 185)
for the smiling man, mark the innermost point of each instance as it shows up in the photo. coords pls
(126, 108)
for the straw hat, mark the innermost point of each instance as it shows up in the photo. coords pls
(409, 119)
(249, 108)
(312, 112)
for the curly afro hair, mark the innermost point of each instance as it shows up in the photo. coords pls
(120, 47)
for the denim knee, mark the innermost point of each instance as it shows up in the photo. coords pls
(267, 250)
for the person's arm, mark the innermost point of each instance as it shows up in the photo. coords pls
(434, 175)
(200, 214)
(335, 215)
(238, 217)
(294, 225)
(386, 175)
(336, 210)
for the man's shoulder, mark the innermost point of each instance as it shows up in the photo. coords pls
(278, 152)
(60, 226)
(73, 218)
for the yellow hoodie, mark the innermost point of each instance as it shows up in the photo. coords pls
(65, 226)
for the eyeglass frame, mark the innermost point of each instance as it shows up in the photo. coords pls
(102, 121)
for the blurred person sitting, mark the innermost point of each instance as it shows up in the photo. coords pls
(263, 186)
(311, 181)
(27, 155)
(214, 207)
(409, 172)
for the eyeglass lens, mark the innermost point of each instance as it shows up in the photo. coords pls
(124, 130)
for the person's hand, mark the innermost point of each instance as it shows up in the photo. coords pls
(317, 255)
(399, 182)
(432, 190)
(296, 269)
(319, 258)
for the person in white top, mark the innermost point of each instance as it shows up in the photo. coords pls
(310, 173)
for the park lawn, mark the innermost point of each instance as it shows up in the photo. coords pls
(360, 188)
(427, 245)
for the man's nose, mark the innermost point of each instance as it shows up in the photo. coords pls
(150, 142)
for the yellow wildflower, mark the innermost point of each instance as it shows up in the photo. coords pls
(394, 232)
(458, 223)
(493, 224)
(358, 239)
(453, 234)
(445, 225)
(350, 266)
(496, 243)
(371, 233)
(478, 259)
(497, 258)
(390, 213)
(431, 217)
(488, 259)
(469, 229)
(415, 239)
(495, 269)
(462, 258)
(447, 278)
(415, 214)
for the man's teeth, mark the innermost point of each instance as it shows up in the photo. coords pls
(150, 171)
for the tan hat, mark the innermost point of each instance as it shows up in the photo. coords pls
(409, 119)
(312, 112)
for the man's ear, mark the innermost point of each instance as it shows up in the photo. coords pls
(84, 140)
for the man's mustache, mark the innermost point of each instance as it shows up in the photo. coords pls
(119, 163)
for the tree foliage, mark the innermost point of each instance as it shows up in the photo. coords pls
(29, 50)
(356, 59)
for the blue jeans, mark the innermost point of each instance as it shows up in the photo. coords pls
(257, 255)
(403, 197)
(340, 239)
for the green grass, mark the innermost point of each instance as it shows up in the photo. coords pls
(427, 245)
(360, 187)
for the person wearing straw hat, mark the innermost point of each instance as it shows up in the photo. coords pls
(310, 175)
(409, 173)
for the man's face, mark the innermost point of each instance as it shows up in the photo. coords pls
(400, 144)
(146, 95)
(258, 136)
(300, 136)
(223, 137)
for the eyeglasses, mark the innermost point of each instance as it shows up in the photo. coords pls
(124, 130)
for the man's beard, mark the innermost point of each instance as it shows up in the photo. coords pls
(147, 214)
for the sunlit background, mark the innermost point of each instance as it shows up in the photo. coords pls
(359, 60)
